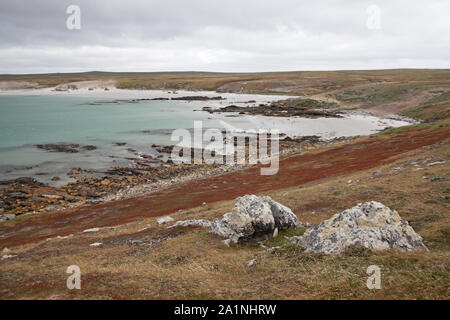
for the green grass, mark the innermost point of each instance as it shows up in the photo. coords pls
(387, 96)
(440, 240)
(310, 103)
(433, 110)
(382, 96)
(445, 96)
(275, 93)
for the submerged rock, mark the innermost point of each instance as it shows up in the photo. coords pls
(253, 216)
(61, 147)
(371, 225)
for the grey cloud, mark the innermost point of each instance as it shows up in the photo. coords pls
(222, 36)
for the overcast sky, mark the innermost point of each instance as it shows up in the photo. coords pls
(209, 35)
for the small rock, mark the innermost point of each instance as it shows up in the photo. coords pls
(250, 262)
(7, 256)
(191, 223)
(96, 244)
(226, 242)
(5, 250)
(64, 237)
(435, 163)
(275, 233)
(9, 216)
(376, 173)
(273, 248)
(52, 196)
(164, 220)
(437, 179)
(91, 230)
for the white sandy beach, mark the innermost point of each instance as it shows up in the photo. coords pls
(354, 123)
(98, 91)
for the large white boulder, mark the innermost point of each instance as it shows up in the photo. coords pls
(252, 216)
(283, 216)
(371, 225)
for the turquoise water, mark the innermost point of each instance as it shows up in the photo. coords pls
(45, 119)
(29, 120)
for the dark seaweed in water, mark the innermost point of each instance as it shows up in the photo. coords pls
(64, 147)
(89, 147)
(127, 101)
(67, 148)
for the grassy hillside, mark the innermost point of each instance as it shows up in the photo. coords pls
(140, 259)
(298, 82)
(143, 260)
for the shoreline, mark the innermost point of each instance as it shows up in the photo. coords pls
(111, 187)
(115, 93)
(23, 195)
(295, 170)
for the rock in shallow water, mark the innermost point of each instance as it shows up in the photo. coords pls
(371, 225)
(252, 216)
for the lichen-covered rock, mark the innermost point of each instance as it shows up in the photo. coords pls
(371, 225)
(191, 223)
(283, 216)
(252, 216)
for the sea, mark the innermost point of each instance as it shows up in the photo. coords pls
(123, 129)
